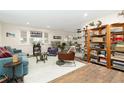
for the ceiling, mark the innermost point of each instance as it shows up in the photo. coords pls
(58, 20)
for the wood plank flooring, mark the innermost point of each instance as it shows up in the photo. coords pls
(92, 73)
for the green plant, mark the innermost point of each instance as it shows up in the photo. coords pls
(62, 46)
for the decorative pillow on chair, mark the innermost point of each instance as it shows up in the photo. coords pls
(72, 49)
(4, 53)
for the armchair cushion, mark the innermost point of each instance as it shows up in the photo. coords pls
(72, 49)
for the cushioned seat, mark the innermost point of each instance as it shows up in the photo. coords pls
(52, 51)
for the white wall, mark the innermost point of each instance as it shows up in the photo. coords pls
(61, 33)
(0, 34)
(15, 41)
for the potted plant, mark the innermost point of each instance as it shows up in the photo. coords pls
(62, 47)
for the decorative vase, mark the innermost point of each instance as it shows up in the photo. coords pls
(15, 59)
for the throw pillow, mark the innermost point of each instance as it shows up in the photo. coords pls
(4, 53)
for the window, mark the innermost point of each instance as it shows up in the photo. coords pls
(46, 38)
(46, 35)
(23, 35)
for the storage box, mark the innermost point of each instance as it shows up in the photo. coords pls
(118, 63)
(119, 55)
(97, 39)
(119, 47)
(93, 60)
(119, 38)
(96, 33)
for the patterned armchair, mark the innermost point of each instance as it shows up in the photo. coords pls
(69, 56)
(66, 56)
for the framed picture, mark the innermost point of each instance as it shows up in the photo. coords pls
(35, 34)
(8, 34)
(57, 37)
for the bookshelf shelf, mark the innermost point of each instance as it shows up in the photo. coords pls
(99, 35)
(99, 63)
(117, 25)
(99, 28)
(98, 49)
(98, 42)
(118, 33)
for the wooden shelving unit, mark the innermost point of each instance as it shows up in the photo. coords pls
(115, 58)
(107, 44)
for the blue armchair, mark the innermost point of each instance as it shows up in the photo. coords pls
(21, 70)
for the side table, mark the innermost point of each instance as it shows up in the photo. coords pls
(13, 66)
(41, 56)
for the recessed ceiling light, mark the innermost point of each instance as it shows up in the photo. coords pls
(85, 14)
(27, 23)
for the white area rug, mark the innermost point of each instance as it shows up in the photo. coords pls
(44, 72)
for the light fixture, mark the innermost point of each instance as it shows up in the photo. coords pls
(85, 14)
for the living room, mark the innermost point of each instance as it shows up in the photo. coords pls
(22, 35)
(50, 46)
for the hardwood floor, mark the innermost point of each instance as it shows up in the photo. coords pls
(92, 73)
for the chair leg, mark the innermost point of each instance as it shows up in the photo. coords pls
(36, 59)
(74, 63)
(22, 79)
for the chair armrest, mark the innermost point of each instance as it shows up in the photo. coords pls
(17, 51)
(9, 59)
(2, 62)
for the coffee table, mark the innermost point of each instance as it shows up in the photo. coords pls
(13, 65)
